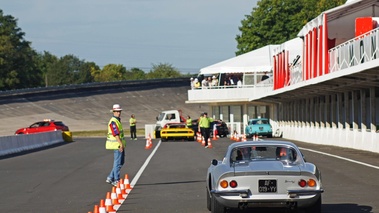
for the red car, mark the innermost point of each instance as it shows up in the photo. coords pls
(43, 126)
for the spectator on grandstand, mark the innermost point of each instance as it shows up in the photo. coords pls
(192, 83)
(231, 81)
(197, 83)
(209, 80)
(214, 81)
(204, 83)
(239, 83)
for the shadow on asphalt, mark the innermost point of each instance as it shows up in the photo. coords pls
(326, 208)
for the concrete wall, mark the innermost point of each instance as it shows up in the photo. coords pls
(348, 138)
(19, 143)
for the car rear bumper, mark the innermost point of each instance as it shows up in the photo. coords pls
(293, 198)
(188, 136)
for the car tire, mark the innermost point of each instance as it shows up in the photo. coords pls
(269, 135)
(315, 208)
(208, 200)
(216, 207)
(157, 134)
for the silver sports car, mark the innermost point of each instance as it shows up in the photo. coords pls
(263, 174)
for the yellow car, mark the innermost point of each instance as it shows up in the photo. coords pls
(177, 131)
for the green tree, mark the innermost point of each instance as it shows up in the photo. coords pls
(110, 72)
(18, 68)
(45, 61)
(69, 69)
(164, 70)
(135, 74)
(84, 74)
(277, 21)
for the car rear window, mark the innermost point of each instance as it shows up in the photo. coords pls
(59, 123)
(249, 153)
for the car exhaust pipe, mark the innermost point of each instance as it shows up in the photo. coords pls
(291, 205)
(242, 206)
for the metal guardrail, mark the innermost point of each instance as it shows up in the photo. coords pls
(356, 51)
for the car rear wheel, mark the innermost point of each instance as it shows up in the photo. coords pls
(208, 200)
(216, 207)
(315, 208)
(157, 134)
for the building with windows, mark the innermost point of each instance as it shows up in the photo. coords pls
(322, 87)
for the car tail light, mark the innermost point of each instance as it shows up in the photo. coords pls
(233, 184)
(302, 183)
(312, 183)
(224, 184)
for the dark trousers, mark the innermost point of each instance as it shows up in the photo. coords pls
(133, 132)
(205, 133)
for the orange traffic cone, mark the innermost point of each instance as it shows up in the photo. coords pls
(209, 144)
(122, 187)
(255, 137)
(232, 137)
(198, 137)
(120, 196)
(203, 141)
(214, 136)
(149, 144)
(108, 203)
(126, 182)
(96, 209)
(102, 206)
(114, 197)
(243, 138)
(237, 138)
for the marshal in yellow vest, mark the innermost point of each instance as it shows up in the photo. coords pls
(112, 142)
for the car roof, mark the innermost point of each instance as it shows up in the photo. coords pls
(254, 119)
(262, 143)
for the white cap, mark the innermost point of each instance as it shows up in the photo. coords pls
(213, 76)
(116, 107)
(191, 79)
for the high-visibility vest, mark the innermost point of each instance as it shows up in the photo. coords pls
(112, 142)
(132, 121)
(205, 122)
(189, 122)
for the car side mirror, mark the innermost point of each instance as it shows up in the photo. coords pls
(214, 162)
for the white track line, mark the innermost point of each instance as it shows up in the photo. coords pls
(138, 175)
(342, 158)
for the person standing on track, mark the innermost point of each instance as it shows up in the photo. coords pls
(189, 122)
(204, 127)
(116, 142)
(133, 127)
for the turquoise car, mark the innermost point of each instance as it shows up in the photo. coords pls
(258, 126)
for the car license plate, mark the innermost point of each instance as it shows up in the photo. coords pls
(267, 186)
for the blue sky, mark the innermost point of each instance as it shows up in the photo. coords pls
(189, 34)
